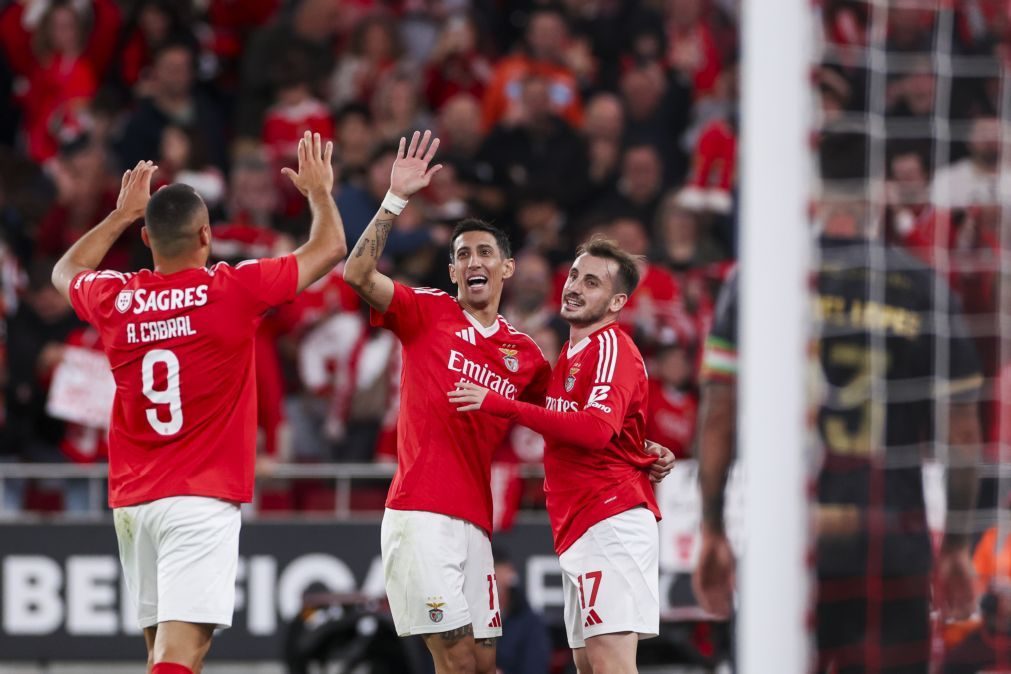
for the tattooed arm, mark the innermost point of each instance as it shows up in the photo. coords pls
(411, 173)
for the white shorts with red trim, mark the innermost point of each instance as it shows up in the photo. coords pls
(611, 579)
(440, 574)
(180, 556)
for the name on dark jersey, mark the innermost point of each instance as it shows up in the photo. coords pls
(865, 315)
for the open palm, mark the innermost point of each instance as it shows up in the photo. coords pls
(411, 172)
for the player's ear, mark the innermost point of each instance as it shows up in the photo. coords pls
(144, 237)
(618, 302)
(205, 235)
(508, 268)
(452, 273)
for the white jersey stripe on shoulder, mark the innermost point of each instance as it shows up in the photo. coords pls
(608, 355)
(601, 356)
(614, 354)
(609, 365)
(428, 291)
(245, 263)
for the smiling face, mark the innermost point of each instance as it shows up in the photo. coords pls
(479, 270)
(592, 291)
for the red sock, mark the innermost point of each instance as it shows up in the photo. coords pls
(170, 668)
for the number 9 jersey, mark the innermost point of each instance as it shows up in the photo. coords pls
(181, 349)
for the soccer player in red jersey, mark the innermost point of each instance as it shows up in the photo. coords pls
(440, 577)
(182, 439)
(597, 475)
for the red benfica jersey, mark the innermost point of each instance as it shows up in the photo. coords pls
(181, 348)
(603, 375)
(444, 456)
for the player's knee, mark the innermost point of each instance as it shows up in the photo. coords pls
(582, 661)
(485, 657)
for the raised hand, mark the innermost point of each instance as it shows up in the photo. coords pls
(315, 169)
(135, 190)
(411, 172)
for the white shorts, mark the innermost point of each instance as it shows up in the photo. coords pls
(611, 578)
(440, 574)
(179, 557)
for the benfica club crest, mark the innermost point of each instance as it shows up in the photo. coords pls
(512, 363)
(435, 611)
(123, 300)
(570, 381)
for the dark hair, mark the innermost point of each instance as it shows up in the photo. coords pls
(475, 225)
(628, 272)
(170, 218)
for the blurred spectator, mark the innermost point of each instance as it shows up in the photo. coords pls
(975, 180)
(150, 25)
(61, 50)
(673, 396)
(639, 188)
(682, 244)
(86, 192)
(910, 29)
(374, 50)
(911, 94)
(656, 300)
(543, 227)
(35, 337)
(525, 644)
(294, 111)
(457, 64)
(604, 131)
(311, 26)
(172, 99)
(396, 107)
(908, 195)
(543, 57)
(356, 141)
(528, 305)
(184, 160)
(988, 647)
(537, 148)
(657, 109)
(691, 45)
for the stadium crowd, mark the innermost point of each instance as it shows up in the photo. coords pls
(557, 121)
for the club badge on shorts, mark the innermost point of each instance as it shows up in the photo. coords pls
(435, 611)
(570, 381)
(123, 300)
(512, 363)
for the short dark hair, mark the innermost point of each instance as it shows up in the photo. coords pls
(476, 225)
(628, 271)
(170, 218)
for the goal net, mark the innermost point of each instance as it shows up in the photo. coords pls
(875, 384)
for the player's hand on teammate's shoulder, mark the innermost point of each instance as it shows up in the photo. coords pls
(135, 190)
(411, 172)
(467, 396)
(664, 463)
(315, 166)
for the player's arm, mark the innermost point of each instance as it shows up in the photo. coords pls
(410, 174)
(716, 450)
(326, 245)
(87, 253)
(581, 429)
(964, 438)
